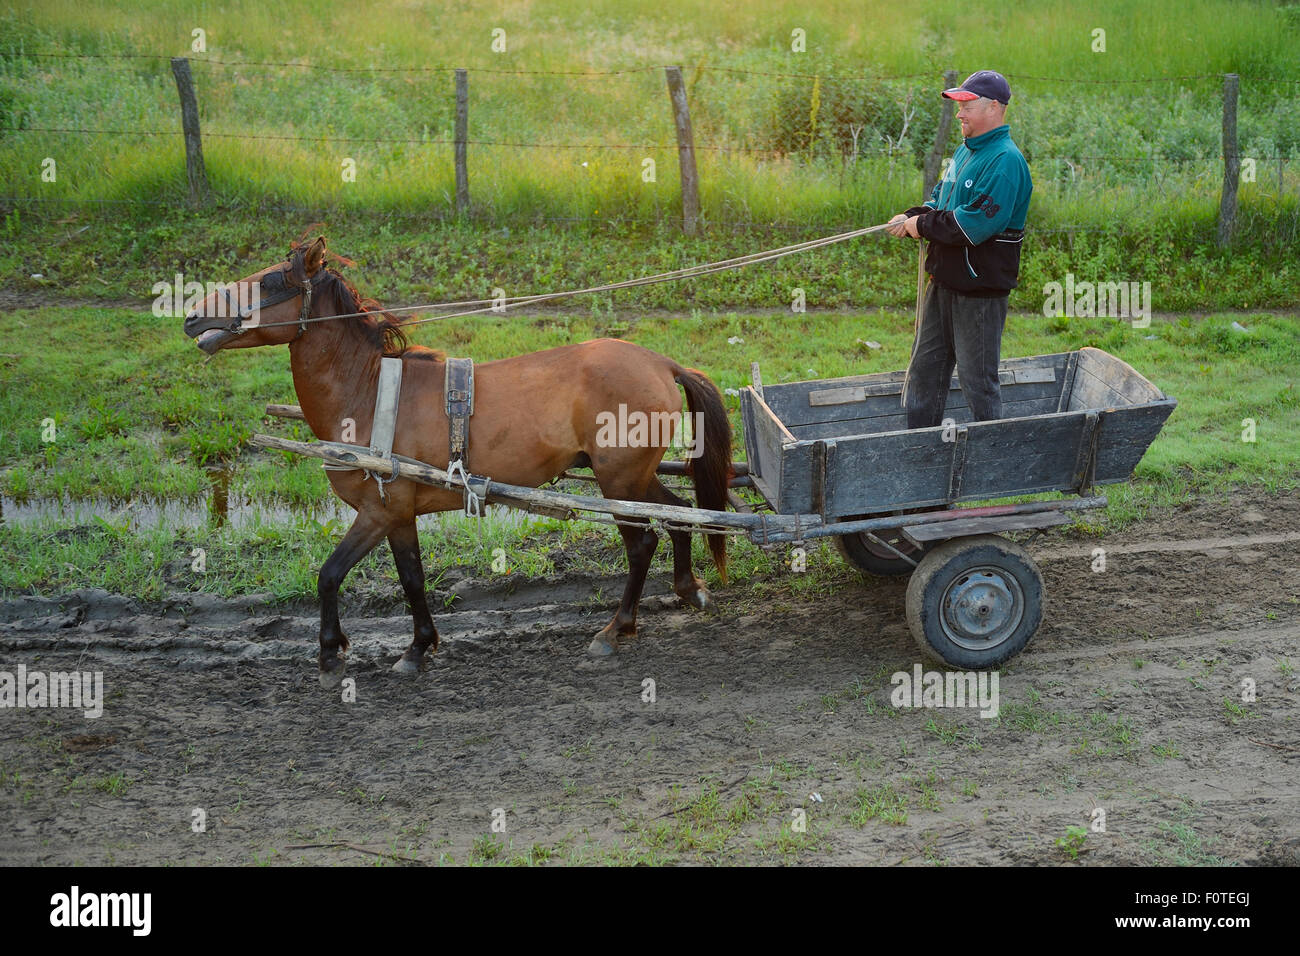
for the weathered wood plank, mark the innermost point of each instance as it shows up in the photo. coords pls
(1103, 381)
(896, 419)
(1125, 438)
(923, 533)
(860, 398)
(765, 438)
(522, 497)
(907, 468)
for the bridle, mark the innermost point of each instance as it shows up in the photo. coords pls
(276, 288)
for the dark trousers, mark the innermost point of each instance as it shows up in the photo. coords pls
(960, 330)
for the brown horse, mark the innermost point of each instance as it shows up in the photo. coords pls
(534, 416)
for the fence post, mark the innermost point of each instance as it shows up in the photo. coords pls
(935, 157)
(1231, 161)
(194, 168)
(685, 149)
(462, 137)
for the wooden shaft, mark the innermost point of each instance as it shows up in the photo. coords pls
(522, 497)
(739, 468)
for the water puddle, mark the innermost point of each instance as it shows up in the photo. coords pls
(222, 508)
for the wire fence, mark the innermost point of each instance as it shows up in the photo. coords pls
(791, 117)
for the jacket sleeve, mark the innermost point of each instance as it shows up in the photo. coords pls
(981, 219)
(931, 204)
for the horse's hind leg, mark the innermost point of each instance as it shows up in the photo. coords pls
(405, 542)
(640, 540)
(365, 533)
(688, 587)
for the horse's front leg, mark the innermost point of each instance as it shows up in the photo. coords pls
(365, 533)
(405, 542)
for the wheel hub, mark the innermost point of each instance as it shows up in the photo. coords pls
(982, 608)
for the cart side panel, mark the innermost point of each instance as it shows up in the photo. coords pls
(1124, 437)
(1020, 456)
(1103, 381)
(1035, 380)
(870, 473)
(895, 418)
(905, 469)
(764, 439)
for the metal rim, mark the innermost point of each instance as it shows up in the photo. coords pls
(982, 607)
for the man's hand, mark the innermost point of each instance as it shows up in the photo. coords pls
(903, 227)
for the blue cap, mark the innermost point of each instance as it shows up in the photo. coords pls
(982, 83)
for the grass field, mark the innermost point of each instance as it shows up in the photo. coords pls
(1129, 134)
(1124, 147)
(145, 420)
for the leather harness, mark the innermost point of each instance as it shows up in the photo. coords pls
(458, 402)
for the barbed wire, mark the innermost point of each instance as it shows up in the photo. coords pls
(440, 141)
(703, 68)
(316, 212)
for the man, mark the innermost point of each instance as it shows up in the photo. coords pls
(974, 221)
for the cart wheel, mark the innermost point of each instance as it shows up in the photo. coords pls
(865, 555)
(975, 602)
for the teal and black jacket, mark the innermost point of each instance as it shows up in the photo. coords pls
(975, 218)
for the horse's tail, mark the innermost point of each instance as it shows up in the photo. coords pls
(711, 466)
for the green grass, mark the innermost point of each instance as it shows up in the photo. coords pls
(138, 418)
(147, 415)
(1127, 176)
(882, 802)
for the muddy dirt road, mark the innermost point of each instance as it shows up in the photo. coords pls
(771, 737)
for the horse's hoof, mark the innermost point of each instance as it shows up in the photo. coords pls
(598, 648)
(701, 599)
(406, 666)
(333, 677)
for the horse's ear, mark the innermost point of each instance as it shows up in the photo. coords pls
(315, 256)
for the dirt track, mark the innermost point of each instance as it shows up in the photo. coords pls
(1129, 699)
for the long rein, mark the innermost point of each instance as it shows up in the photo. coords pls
(509, 302)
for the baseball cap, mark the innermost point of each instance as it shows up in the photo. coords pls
(982, 83)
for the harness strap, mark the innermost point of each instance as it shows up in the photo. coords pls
(458, 400)
(384, 425)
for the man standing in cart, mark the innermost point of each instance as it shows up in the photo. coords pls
(974, 222)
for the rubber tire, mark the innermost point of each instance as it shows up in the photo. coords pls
(855, 551)
(946, 564)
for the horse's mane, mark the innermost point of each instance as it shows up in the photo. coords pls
(378, 327)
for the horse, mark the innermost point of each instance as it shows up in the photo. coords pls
(534, 416)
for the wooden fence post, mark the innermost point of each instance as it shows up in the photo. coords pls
(1231, 162)
(685, 150)
(934, 160)
(462, 137)
(194, 168)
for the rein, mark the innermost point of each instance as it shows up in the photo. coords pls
(509, 302)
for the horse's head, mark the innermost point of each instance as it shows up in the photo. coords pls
(269, 307)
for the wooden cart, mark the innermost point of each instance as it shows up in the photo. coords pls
(834, 458)
(839, 450)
